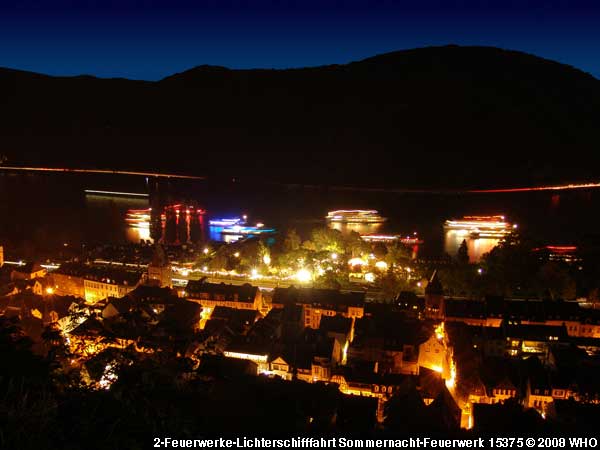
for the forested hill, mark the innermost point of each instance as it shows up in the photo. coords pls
(437, 116)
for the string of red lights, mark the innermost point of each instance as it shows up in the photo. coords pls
(101, 171)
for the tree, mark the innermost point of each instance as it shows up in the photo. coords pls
(463, 253)
(390, 286)
(292, 241)
(554, 280)
(219, 262)
(309, 245)
(511, 268)
(328, 240)
(355, 245)
(329, 280)
(397, 255)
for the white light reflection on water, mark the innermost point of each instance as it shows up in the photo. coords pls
(477, 247)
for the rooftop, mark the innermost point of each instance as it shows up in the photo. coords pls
(314, 296)
(109, 275)
(230, 292)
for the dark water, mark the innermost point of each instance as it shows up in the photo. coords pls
(40, 213)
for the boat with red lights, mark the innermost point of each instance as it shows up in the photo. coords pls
(480, 226)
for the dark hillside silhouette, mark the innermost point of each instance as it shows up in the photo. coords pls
(431, 116)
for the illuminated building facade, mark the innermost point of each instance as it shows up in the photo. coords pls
(94, 284)
(433, 356)
(211, 295)
(99, 288)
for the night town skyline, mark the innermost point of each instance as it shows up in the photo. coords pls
(335, 223)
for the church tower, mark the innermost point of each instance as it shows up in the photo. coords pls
(434, 298)
(159, 269)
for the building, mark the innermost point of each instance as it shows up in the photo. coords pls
(1, 256)
(538, 394)
(257, 353)
(98, 286)
(388, 340)
(491, 312)
(28, 271)
(502, 391)
(159, 269)
(238, 320)
(211, 295)
(339, 328)
(68, 279)
(94, 283)
(432, 355)
(317, 303)
(434, 298)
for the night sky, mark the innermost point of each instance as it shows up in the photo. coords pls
(152, 39)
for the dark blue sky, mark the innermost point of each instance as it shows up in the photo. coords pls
(152, 39)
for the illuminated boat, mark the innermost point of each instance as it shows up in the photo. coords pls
(480, 226)
(390, 238)
(228, 222)
(355, 216)
(241, 230)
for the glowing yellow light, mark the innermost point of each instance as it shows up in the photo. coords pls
(381, 265)
(356, 262)
(267, 259)
(236, 254)
(369, 277)
(303, 275)
(345, 354)
(49, 290)
(439, 331)
(205, 251)
(437, 368)
(334, 256)
(451, 382)
(204, 269)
